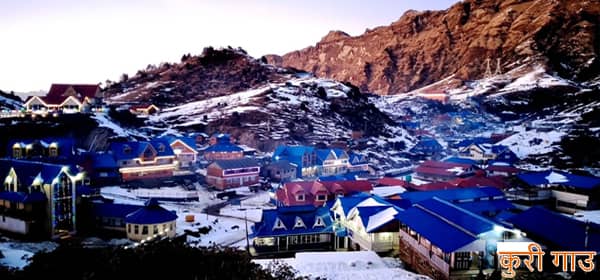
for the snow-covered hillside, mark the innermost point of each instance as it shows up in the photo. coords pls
(304, 109)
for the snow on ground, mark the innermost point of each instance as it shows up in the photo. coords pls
(212, 107)
(592, 216)
(250, 208)
(224, 231)
(345, 266)
(18, 254)
(227, 229)
(103, 121)
(532, 142)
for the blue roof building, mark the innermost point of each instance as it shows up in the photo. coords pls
(367, 221)
(150, 221)
(571, 192)
(142, 160)
(304, 157)
(447, 238)
(48, 149)
(41, 192)
(558, 231)
(293, 229)
(427, 146)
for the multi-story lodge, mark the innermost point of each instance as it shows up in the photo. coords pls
(221, 148)
(444, 241)
(38, 199)
(317, 193)
(569, 192)
(144, 160)
(304, 157)
(184, 149)
(45, 149)
(293, 229)
(366, 222)
(67, 98)
(311, 162)
(223, 174)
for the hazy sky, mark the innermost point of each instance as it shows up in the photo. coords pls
(89, 41)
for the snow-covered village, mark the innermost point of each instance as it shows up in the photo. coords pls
(448, 140)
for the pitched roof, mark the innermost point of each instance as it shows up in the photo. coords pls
(236, 163)
(550, 227)
(138, 147)
(28, 171)
(495, 167)
(189, 141)
(437, 219)
(65, 146)
(433, 186)
(23, 197)
(287, 194)
(461, 160)
(288, 215)
(454, 195)
(151, 213)
(56, 95)
(480, 180)
(103, 160)
(223, 147)
(553, 177)
(442, 168)
(356, 159)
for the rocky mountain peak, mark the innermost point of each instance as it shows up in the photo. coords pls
(423, 47)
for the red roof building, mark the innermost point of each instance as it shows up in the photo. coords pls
(442, 171)
(317, 193)
(502, 170)
(68, 98)
(144, 109)
(434, 186)
(480, 180)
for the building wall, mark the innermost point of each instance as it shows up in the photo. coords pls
(570, 202)
(147, 175)
(164, 229)
(14, 225)
(292, 243)
(210, 156)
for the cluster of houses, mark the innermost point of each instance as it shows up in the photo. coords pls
(445, 233)
(443, 220)
(79, 98)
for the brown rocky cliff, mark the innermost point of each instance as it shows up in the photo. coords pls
(424, 47)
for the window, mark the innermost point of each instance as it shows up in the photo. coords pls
(319, 222)
(171, 226)
(128, 228)
(300, 197)
(161, 147)
(321, 197)
(155, 231)
(136, 229)
(17, 153)
(145, 230)
(279, 225)
(53, 151)
(299, 223)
